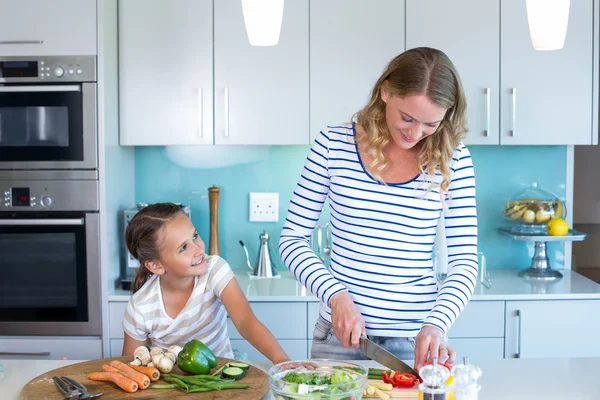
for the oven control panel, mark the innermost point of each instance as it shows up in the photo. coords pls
(48, 69)
(79, 195)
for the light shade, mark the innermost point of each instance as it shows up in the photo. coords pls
(548, 20)
(263, 21)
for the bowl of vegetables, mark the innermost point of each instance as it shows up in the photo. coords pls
(331, 380)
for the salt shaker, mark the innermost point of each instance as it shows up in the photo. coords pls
(465, 381)
(434, 385)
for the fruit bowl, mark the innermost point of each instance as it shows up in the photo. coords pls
(532, 209)
(331, 380)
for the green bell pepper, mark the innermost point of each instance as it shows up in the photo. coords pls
(196, 358)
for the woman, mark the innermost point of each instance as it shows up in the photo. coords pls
(388, 178)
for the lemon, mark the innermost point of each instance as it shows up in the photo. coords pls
(557, 227)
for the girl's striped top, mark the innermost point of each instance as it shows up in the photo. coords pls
(382, 238)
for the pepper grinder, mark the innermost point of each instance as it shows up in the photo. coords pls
(213, 238)
(434, 385)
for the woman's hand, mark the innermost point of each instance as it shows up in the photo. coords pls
(431, 343)
(348, 325)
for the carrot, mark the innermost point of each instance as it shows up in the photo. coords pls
(140, 379)
(121, 381)
(151, 373)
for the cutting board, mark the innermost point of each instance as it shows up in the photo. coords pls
(43, 388)
(397, 393)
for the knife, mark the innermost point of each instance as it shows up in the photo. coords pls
(377, 353)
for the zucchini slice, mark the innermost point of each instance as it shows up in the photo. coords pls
(233, 373)
(239, 365)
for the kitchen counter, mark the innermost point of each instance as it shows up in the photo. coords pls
(510, 379)
(506, 285)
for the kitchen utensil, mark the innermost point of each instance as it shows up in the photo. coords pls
(350, 389)
(64, 388)
(213, 238)
(42, 386)
(377, 353)
(264, 266)
(78, 386)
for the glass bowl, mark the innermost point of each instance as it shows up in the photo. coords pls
(532, 208)
(332, 380)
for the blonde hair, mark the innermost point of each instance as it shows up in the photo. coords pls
(419, 71)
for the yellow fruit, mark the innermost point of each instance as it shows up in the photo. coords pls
(558, 208)
(557, 227)
(529, 216)
(542, 216)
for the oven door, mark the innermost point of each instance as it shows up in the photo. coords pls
(48, 126)
(50, 272)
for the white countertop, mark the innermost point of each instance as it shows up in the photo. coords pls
(510, 379)
(506, 285)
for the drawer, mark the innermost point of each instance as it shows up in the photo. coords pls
(284, 320)
(480, 319)
(478, 348)
(295, 349)
(50, 348)
(116, 313)
(313, 315)
(116, 347)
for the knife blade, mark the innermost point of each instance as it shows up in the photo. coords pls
(377, 353)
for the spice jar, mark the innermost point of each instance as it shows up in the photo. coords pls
(434, 385)
(465, 381)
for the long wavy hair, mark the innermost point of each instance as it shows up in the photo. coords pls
(419, 71)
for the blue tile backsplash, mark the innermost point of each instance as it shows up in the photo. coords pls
(172, 174)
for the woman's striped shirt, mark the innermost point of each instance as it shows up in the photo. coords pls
(382, 238)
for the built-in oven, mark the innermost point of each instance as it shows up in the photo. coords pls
(49, 253)
(48, 109)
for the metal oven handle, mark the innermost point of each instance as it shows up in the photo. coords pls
(41, 222)
(62, 88)
(19, 353)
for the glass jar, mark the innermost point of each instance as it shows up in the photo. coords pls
(532, 208)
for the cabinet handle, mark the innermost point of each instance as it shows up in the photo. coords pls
(21, 41)
(514, 112)
(10, 353)
(226, 112)
(200, 111)
(488, 99)
(519, 323)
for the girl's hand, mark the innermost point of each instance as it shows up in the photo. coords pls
(347, 322)
(305, 365)
(430, 342)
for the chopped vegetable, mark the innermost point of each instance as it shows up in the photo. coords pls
(233, 373)
(238, 364)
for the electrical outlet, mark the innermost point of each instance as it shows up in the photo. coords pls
(264, 207)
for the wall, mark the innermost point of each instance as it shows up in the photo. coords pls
(162, 174)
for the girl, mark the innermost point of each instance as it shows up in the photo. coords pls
(387, 178)
(180, 293)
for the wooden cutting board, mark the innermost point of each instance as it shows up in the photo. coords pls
(43, 388)
(397, 393)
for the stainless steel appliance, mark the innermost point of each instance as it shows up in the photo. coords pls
(49, 253)
(48, 112)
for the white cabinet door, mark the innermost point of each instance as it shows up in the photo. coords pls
(546, 96)
(116, 313)
(116, 347)
(478, 348)
(480, 319)
(351, 41)
(50, 348)
(295, 349)
(165, 72)
(552, 329)
(284, 320)
(261, 93)
(468, 31)
(47, 28)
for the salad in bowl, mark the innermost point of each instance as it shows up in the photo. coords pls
(330, 380)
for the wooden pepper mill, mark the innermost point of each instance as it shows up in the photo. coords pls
(213, 239)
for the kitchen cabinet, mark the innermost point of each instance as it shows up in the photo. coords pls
(165, 72)
(50, 348)
(468, 31)
(47, 28)
(552, 329)
(261, 93)
(351, 42)
(515, 95)
(546, 96)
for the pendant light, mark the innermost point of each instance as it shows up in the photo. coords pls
(548, 20)
(263, 21)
